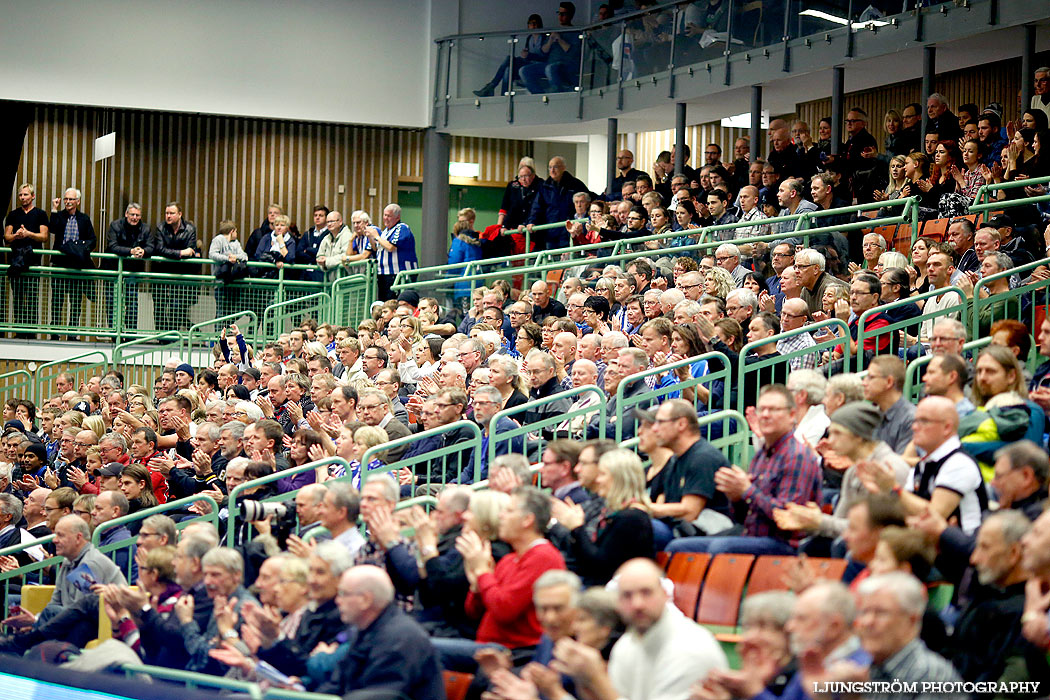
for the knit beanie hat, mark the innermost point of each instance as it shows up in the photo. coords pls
(859, 417)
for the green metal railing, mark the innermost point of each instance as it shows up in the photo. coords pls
(532, 433)
(982, 204)
(735, 439)
(96, 537)
(49, 371)
(114, 303)
(913, 375)
(204, 335)
(193, 680)
(651, 396)
(451, 460)
(956, 310)
(1008, 304)
(34, 570)
(478, 271)
(140, 360)
(283, 316)
(234, 498)
(777, 367)
(18, 384)
(352, 298)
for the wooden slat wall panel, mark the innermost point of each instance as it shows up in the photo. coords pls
(650, 143)
(228, 167)
(998, 82)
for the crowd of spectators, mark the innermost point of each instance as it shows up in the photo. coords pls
(553, 591)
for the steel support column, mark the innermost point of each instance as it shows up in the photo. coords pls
(679, 136)
(838, 94)
(756, 122)
(1027, 77)
(929, 70)
(431, 240)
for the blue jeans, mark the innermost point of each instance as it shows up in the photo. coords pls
(458, 654)
(731, 545)
(548, 77)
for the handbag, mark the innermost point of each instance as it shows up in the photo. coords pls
(231, 271)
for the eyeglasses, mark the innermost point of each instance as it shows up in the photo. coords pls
(723, 258)
(689, 286)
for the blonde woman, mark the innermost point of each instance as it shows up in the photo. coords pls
(483, 517)
(895, 181)
(625, 529)
(719, 283)
(889, 259)
(504, 375)
(96, 425)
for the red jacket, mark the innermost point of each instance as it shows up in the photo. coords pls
(504, 597)
(158, 480)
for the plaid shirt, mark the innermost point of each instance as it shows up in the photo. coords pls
(799, 342)
(785, 472)
(371, 553)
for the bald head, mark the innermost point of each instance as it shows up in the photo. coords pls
(639, 570)
(370, 581)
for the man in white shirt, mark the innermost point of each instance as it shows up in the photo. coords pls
(808, 387)
(947, 479)
(663, 653)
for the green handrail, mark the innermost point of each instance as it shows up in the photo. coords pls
(980, 303)
(624, 402)
(252, 328)
(14, 386)
(409, 278)
(233, 508)
(912, 385)
(42, 379)
(8, 577)
(281, 694)
(96, 537)
(735, 444)
(525, 429)
(160, 509)
(863, 333)
(744, 369)
(474, 443)
(273, 309)
(192, 680)
(979, 207)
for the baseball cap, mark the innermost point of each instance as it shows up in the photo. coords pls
(81, 406)
(251, 372)
(1001, 221)
(111, 469)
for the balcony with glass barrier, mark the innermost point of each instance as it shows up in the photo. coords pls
(682, 51)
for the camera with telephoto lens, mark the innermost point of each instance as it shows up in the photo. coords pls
(258, 510)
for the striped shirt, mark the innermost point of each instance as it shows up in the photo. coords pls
(915, 663)
(403, 257)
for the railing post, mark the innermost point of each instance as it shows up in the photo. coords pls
(579, 83)
(729, 42)
(118, 301)
(511, 72)
(623, 53)
(670, 61)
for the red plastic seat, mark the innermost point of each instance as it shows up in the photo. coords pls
(457, 684)
(687, 572)
(723, 589)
